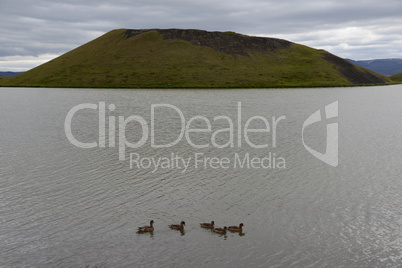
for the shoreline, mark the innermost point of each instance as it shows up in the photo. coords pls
(204, 87)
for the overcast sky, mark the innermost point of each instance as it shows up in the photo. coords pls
(33, 32)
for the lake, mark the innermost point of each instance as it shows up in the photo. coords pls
(231, 156)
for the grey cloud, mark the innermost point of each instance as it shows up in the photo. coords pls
(45, 26)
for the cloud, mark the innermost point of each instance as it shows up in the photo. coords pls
(23, 63)
(354, 28)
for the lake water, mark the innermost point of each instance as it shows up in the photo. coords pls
(65, 206)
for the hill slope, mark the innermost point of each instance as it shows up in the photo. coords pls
(193, 58)
(397, 78)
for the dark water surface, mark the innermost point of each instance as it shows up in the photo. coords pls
(64, 206)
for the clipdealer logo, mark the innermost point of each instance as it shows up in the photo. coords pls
(239, 131)
(330, 156)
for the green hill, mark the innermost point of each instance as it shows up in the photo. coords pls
(193, 58)
(397, 78)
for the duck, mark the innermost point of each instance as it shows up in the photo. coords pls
(236, 228)
(220, 230)
(207, 225)
(178, 226)
(144, 229)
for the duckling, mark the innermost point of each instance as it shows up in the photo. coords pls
(144, 229)
(207, 225)
(236, 228)
(178, 226)
(220, 230)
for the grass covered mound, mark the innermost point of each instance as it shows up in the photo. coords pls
(193, 58)
(397, 78)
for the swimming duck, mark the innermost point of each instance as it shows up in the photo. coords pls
(149, 228)
(178, 226)
(220, 230)
(236, 228)
(208, 225)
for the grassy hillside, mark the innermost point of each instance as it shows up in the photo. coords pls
(148, 59)
(397, 78)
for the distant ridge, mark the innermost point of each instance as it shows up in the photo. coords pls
(381, 66)
(178, 58)
(9, 74)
